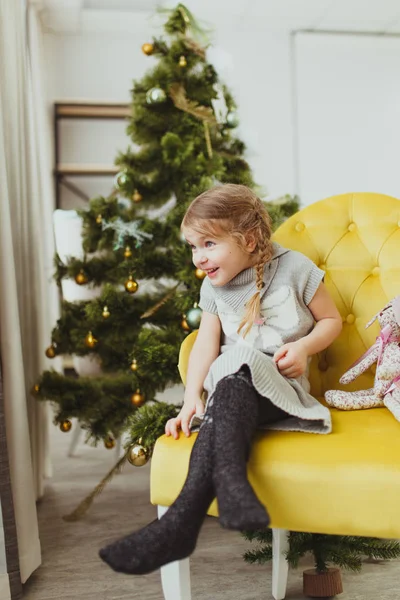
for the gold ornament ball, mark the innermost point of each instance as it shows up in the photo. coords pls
(200, 274)
(184, 324)
(182, 61)
(90, 340)
(148, 49)
(51, 351)
(99, 219)
(36, 388)
(138, 455)
(109, 442)
(81, 278)
(137, 399)
(131, 285)
(66, 425)
(106, 313)
(134, 365)
(128, 252)
(137, 196)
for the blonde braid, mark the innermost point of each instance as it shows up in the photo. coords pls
(253, 306)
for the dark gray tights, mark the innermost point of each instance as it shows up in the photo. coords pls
(217, 467)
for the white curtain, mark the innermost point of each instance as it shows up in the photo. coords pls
(28, 297)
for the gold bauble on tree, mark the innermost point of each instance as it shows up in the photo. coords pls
(147, 49)
(137, 196)
(184, 324)
(137, 399)
(66, 425)
(131, 285)
(109, 442)
(200, 274)
(106, 313)
(127, 252)
(90, 340)
(36, 388)
(81, 278)
(182, 61)
(99, 219)
(51, 351)
(138, 455)
(134, 365)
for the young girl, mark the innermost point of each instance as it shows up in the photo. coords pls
(265, 313)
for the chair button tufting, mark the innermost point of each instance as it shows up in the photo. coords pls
(352, 227)
(376, 271)
(300, 227)
(323, 267)
(350, 319)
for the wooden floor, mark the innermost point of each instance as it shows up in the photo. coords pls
(71, 569)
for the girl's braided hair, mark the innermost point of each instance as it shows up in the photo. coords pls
(236, 211)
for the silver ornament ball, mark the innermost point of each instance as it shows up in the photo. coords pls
(193, 317)
(155, 96)
(120, 180)
(232, 120)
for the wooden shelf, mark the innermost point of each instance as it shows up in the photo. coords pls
(81, 169)
(83, 109)
(93, 111)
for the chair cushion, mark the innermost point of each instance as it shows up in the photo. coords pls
(345, 483)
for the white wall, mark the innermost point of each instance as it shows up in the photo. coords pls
(319, 113)
(348, 109)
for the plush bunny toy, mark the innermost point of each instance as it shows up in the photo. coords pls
(386, 353)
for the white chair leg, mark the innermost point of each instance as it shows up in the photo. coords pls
(76, 434)
(280, 566)
(175, 577)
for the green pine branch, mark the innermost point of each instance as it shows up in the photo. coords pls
(345, 552)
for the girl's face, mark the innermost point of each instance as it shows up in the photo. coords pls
(220, 257)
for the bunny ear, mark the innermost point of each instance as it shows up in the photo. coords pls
(396, 309)
(372, 320)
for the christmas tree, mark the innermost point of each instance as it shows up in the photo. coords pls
(342, 550)
(182, 127)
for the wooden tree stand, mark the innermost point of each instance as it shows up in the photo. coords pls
(322, 585)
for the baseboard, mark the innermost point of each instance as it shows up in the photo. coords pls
(5, 593)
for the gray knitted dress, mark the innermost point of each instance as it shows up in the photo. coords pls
(290, 282)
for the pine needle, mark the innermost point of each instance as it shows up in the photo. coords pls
(86, 503)
(151, 311)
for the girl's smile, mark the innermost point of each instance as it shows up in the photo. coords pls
(220, 257)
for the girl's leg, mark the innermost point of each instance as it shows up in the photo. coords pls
(174, 536)
(237, 410)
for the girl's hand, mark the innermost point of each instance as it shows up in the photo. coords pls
(291, 359)
(189, 408)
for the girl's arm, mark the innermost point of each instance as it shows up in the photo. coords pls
(205, 350)
(291, 358)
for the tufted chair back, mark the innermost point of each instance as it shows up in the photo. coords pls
(355, 239)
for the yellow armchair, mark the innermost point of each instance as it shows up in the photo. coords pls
(347, 482)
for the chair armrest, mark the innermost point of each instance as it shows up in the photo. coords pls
(184, 353)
